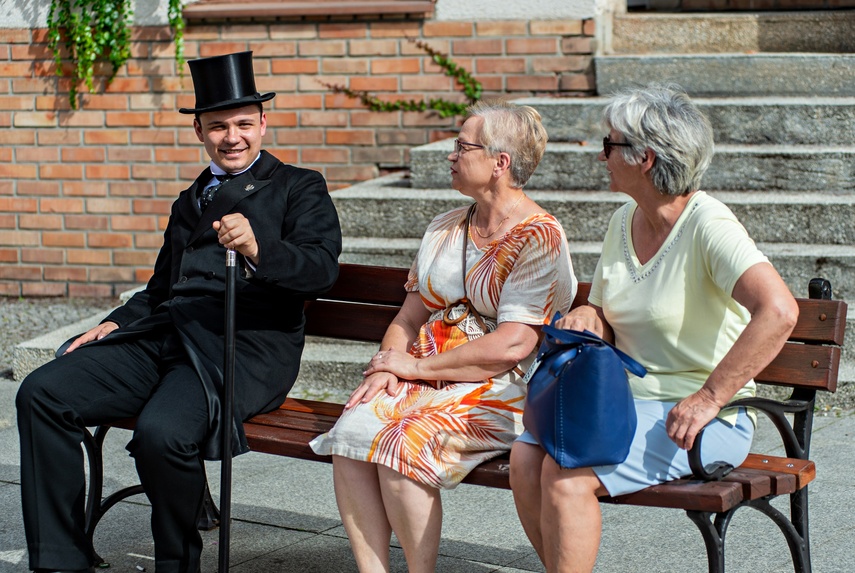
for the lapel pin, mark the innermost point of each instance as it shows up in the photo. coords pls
(249, 187)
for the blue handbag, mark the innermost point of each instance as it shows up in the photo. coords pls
(579, 406)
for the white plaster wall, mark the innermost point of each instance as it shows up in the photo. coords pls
(34, 13)
(516, 10)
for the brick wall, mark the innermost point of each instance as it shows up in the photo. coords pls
(84, 195)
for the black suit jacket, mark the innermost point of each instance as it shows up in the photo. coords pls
(299, 239)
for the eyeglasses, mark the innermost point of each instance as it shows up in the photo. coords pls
(608, 144)
(461, 146)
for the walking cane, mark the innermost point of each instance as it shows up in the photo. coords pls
(228, 412)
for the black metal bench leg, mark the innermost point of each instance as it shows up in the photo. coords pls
(796, 540)
(210, 517)
(713, 533)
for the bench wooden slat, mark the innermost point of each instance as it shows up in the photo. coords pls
(804, 471)
(820, 321)
(371, 284)
(351, 321)
(803, 366)
(688, 494)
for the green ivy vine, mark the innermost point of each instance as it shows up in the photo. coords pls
(93, 30)
(470, 87)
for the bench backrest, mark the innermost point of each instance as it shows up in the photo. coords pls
(366, 298)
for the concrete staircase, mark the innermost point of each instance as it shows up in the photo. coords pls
(779, 89)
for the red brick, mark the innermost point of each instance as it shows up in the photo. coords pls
(84, 154)
(285, 155)
(501, 28)
(577, 45)
(83, 118)
(282, 31)
(373, 118)
(18, 205)
(418, 119)
(87, 222)
(107, 206)
(15, 69)
(51, 256)
(411, 49)
(35, 119)
(373, 47)
(500, 65)
(209, 49)
(128, 85)
(130, 154)
(111, 102)
(278, 84)
(352, 173)
(558, 64)
(19, 238)
(578, 82)
(38, 188)
(150, 172)
(152, 206)
(426, 83)
(15, 36)
(90, 291)
(43, 289)
(446, 28)
(65, 273)
(294, 66)
(33, 85)
(299, 136)
(60, 171)
(477, 47)
(16, 103)
(7, 187)
(299, 101)
(532, 83)
(42, 154)
(555, 27)
(53, 222)
(61, 205)
(107, 172)
(10, 289)
(273, 49)
(345, 66)
(21, 273)
(325, 48)
(17, 136)
(111, 275)
(374, 84)
(342, 30)
(52, 103)
(50, 239)
(532, 46)
(84, 188)
(589, 27)
(152, 137)
(149, 240)
(396, 66)
(105, 137)
(176, 155)
(325, 155)
(277, 119)
(350, 137)
(319, 118)
(14, 171)
(401, 137)
(389, 29)
(155, 101)
(87, 257)
(109, 240)
(132, 119)
(135, 258)
(132, 223)
(8, 255)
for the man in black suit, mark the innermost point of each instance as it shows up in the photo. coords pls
(160, 356)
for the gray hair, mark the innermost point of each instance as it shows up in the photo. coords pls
(514, 129)
(663, 118)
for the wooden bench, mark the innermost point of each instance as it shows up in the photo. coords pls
(364, 301)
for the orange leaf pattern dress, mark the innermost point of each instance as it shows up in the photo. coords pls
(436, 432)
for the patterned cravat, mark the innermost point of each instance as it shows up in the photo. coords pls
(209, 192)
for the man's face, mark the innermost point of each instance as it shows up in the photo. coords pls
(232, 137)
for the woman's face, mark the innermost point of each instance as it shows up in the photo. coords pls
(621, 173)
(471, 166)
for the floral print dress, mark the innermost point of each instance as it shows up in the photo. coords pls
(436, 432)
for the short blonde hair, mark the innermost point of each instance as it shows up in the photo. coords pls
(514, 129)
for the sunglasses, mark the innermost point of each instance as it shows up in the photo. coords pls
(461, 146)
(608, 144)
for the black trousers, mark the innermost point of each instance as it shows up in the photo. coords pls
(150, 377)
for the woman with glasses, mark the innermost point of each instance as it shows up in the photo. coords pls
(681, 288)
(445, 391)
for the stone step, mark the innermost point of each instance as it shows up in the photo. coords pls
(570, 166)
(791, 74)
(387, 209)
(798, 31)
(737, 120)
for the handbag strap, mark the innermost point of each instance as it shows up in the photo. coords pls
(588, 337)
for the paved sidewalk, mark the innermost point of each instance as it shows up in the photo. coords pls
(285, 519)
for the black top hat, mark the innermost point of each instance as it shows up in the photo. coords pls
(224, 82)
